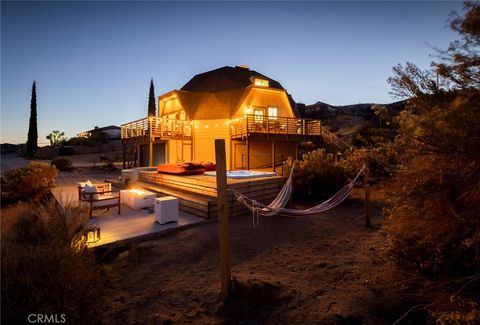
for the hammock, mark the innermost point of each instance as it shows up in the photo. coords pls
(278, 204)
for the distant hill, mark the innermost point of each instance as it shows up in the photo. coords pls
(323, 110)
(336, 116)
(8, 148)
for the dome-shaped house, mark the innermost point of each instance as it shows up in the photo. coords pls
(251, 111)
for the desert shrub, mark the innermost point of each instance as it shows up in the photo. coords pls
(381, 160)
(434, 210)
(435, 217)
(65, 151)
(62, 163)
(79, 141)
(369, 136)
(46, 153)
(32, 182)
(317, 175)
(44, 270)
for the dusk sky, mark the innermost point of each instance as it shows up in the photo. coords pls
(93, 60)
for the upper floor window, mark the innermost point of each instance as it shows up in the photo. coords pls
(260, 82)
(272, 113)
(258, 115)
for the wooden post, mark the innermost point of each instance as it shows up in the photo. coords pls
(367, 196)
(273, 156)
(223, 228)
(150, 153)
(124, 145)
(248, 153)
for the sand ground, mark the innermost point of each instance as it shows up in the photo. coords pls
(312, 270)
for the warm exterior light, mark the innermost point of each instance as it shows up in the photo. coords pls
(248, 110)
(206, 126)
(261, 82)
(93, 235)
(216, 124)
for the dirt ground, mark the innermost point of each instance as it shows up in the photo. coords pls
(311, 270)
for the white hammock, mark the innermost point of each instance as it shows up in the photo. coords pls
(278, 204)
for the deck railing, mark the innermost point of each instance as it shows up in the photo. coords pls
(250, 124)
(157, 127)
(289, 126)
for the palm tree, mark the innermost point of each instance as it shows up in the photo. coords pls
(55, 137)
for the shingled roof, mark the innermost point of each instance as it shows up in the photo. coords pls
(216, 94)
(226, 78)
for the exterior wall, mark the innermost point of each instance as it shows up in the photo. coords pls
(169, 105)
(159, 153)
(260, 153)
(264, 98)
(176, 151)
(239, 151)
(204, 134)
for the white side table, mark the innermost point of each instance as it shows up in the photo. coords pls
(166, 209)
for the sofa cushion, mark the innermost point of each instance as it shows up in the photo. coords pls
(90, 189)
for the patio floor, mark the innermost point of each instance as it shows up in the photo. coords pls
(113, 227)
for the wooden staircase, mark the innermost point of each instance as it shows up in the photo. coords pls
(332, 143)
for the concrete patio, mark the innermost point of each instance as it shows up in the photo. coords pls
(113, 227)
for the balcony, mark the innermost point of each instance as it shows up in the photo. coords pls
(259, 127)
(157, 127)
(265, 126)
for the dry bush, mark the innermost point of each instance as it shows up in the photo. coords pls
(62, 163)
(28, 183)
(435, 217)
(381, 160)
(46, 271)
(434, 213)
(317, 175)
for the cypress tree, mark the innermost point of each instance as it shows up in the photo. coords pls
(32, 127)
(151, 100)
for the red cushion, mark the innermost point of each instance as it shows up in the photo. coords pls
(181, 169)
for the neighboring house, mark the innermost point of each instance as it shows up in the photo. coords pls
(251, 111)
(112, 131)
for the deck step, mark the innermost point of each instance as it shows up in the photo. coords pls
(193, 203)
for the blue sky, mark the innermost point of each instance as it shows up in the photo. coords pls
(93, 60)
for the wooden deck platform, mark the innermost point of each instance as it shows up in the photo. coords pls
(198, 194)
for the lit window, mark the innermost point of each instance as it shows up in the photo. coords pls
(272, 113)
(258, 116)
(260, 82)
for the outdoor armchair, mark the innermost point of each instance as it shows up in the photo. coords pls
(99, 196)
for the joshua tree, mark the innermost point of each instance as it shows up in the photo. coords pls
(151, 100)
(55, 137)
(32, 127)
(381, 111)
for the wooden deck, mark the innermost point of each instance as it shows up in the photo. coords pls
(198, 194)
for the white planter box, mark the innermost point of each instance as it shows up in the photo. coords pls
(166, 209)
(137, 199)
